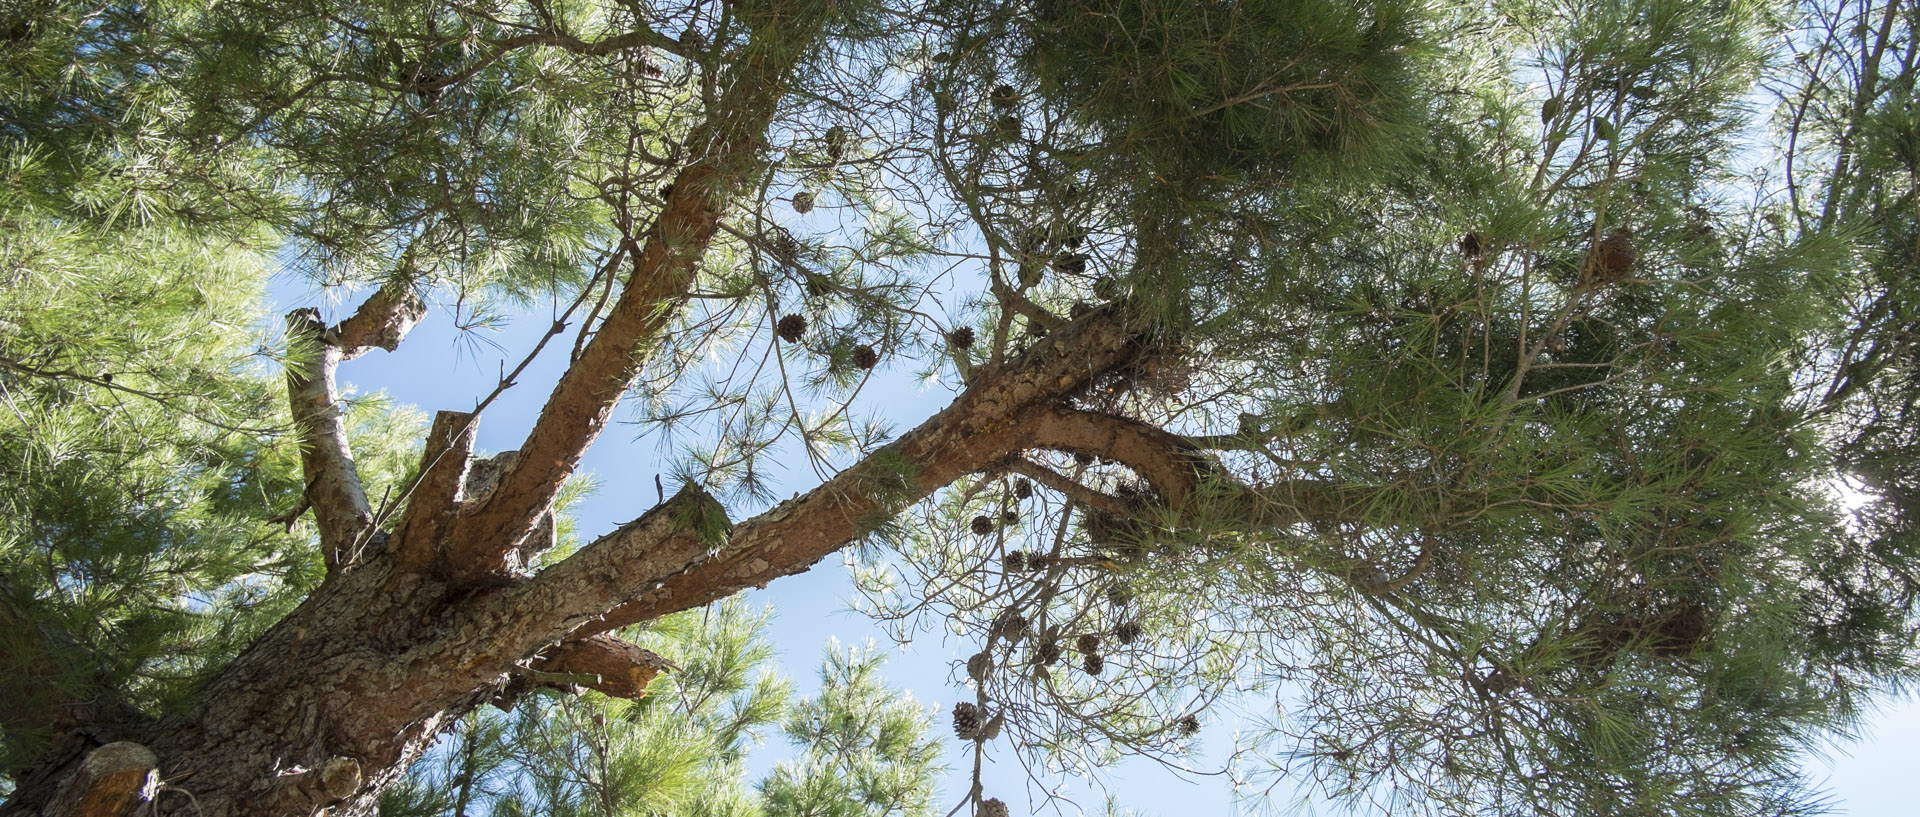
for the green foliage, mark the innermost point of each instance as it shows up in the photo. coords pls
(1518, 348)
(702, 515)
(682, 750)
(864, 751)
(1194, 91)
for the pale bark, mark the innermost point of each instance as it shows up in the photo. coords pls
(340, 508)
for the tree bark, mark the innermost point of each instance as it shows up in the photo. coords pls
(408, 633)
(333, 702)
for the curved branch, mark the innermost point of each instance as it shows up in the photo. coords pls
(340, 507)
(1166, 460)
(1189, 481)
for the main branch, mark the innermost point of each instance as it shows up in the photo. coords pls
(663, 274)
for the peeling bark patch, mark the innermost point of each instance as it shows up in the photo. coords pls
(113, 781)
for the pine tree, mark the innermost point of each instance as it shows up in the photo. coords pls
(682, 749)
(1476, 377)
(863, 749)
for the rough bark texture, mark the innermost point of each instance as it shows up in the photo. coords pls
(409, 632)
(663, 271)
(333, 702)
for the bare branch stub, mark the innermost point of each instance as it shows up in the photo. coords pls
(618, 668)
(443, 467)
(115, 780)
(382, 321)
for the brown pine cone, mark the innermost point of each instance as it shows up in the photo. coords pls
(791, 328)
(979, 665)
(967, 720)
(1611, 259)
(1010, 625)
(1047, 653)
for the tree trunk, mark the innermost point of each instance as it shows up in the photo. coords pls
(334, 701)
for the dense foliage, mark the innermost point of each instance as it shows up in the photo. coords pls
(1488, 375)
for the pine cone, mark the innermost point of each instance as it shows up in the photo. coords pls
(803, 203)
(1189, 725)
(1030, 275)
(1023, 489)
(993, 808)
(1010, 625)
(979, 665)
(1009, 517)
(1127, 632)
(1037, 562)
(967, 720)
(1471, 247)
(1004, 96)
(1093, 663)
(1071, 263)
(1611, 259)
(836, 140)
(982, 526)
(785, 246)
(1119, 595)
(961, 338)
(791, 328)
(1087, 644)
(1015, 561)
(1048, 653)
(864, 356)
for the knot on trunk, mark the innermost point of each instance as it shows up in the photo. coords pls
(336, 779)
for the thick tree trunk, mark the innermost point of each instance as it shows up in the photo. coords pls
(409, 633)
(334, 701)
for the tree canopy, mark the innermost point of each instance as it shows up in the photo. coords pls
(1477, 381)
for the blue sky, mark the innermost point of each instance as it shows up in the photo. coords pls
(438, 368)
